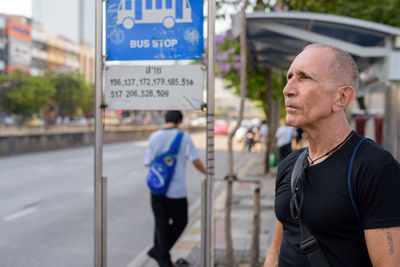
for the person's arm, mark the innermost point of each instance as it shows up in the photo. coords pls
(199, 166)
(272, 258)
(384, 246)
(379, 198)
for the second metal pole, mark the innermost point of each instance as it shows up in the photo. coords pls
(209, 220)
(99, 182)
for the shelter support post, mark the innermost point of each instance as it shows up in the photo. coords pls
(392, 119)
(392, 99)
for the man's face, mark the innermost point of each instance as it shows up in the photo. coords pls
(310, 89)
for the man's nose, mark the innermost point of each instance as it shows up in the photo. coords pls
(290, 88)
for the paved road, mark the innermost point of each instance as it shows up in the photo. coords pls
(46, 210)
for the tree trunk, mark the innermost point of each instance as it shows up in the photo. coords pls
(268, 114)
(275, 119)
(243, 92)
(228, 236)
(255, 245)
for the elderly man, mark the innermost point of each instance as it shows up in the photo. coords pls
(321, 83)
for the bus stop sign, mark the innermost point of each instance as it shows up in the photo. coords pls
(154, 29)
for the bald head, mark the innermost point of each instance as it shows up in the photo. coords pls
(342, 66)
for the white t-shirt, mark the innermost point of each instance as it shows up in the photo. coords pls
(159, 142)
(263, 132)
(284, 135)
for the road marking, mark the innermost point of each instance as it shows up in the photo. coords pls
(141, 259)
(19, 214)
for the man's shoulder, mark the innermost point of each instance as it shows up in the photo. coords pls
(373, 151)
(372, 155)
(285, 167)
(156, 134)
(166, 132)
(160, 136)
(292, 157)
(163, 135)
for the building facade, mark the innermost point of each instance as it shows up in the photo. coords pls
(3, 42)
(18, 39)
(27, 47)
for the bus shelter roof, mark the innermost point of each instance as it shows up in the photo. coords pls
(275, 38)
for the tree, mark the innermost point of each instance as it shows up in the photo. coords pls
(263, 85)
(72, 94)
(27, 95)
(230, 176)
(6, 85)
(384, 11)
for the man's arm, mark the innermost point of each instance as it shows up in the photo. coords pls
(199, 166)
(384, 246)
(272, 258)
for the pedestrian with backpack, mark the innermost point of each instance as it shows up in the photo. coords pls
(337, 201)
(249, 139)
(167, 151)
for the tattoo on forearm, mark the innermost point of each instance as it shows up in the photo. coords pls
(390, 242)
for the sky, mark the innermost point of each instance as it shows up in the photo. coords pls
(52, 15)
(61, 17)
(16, 7)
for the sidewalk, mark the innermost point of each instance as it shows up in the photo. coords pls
(188, 246)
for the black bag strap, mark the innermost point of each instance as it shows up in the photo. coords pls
(309, 244)
(297, 169)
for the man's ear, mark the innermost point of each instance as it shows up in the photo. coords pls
(345, 95)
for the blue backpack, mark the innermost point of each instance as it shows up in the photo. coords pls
(162, 168)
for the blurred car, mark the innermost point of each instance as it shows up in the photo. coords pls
(127, 121)
(221, 127)
(7, 120)
(201, 121)
(34, 122)
(82, 121)
(240, 134)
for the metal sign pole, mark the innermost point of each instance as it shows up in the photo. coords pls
(99, 188)
(208, 258)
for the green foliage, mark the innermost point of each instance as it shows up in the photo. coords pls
(72, 95)
(67, 94)
(228, 67)
(6, 84)
(383, 11)
(27, 95)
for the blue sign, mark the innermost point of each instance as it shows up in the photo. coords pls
(154, 29)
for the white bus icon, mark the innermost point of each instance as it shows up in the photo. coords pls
(167, 12)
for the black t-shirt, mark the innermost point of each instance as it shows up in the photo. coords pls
(327, 209)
